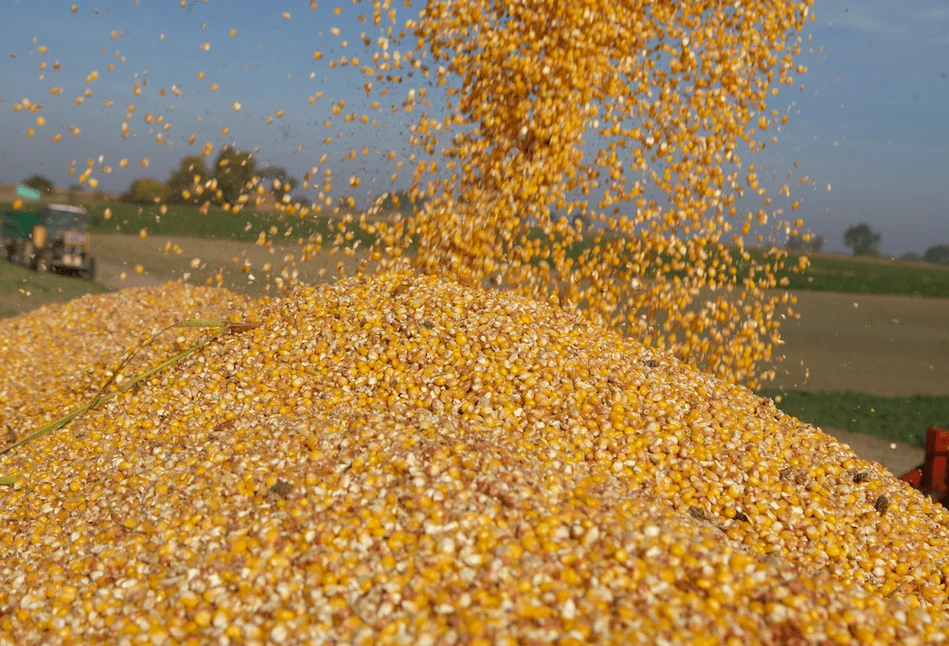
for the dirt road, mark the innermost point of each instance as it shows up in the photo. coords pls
(897, 458)
(116, 276)
(241, 266)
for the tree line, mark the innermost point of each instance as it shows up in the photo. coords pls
(234, 173)
(861, 239)
(864, 241)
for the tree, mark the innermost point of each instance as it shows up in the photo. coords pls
(74, 193)
(400, 201)
(937, 253)
(145, 190)
(234, 172)
(277, 179)
(40, 183)
(862, 239)
(191, 171)
(911, 256)
(796, 242)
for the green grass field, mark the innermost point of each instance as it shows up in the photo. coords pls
(216, 224)
(847, 274)
(870, 275)
(22, 289)
(898, 419)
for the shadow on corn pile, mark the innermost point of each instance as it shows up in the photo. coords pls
(399, 459)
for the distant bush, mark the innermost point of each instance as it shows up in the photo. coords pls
(796, 242)
(74, 193)
(191, 171)
(863, 240)
(911, 256)
(277, 179)
(234, 171)
(400, 201)
(39, 183)
(937, 253)
(146, 190)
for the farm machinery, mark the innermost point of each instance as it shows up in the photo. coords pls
(54, 237)
(932, 476)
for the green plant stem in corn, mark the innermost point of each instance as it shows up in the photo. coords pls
(223, 327)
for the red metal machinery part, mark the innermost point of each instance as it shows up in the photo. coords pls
(932, 477)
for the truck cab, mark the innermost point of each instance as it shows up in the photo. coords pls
(55, 237)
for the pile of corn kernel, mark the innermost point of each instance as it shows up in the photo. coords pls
(399, 459)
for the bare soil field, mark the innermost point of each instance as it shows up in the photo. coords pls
(203, 259)
(883, 345)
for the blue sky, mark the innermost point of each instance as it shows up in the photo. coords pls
(871, 121)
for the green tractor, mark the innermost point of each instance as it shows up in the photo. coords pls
(55, 237)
